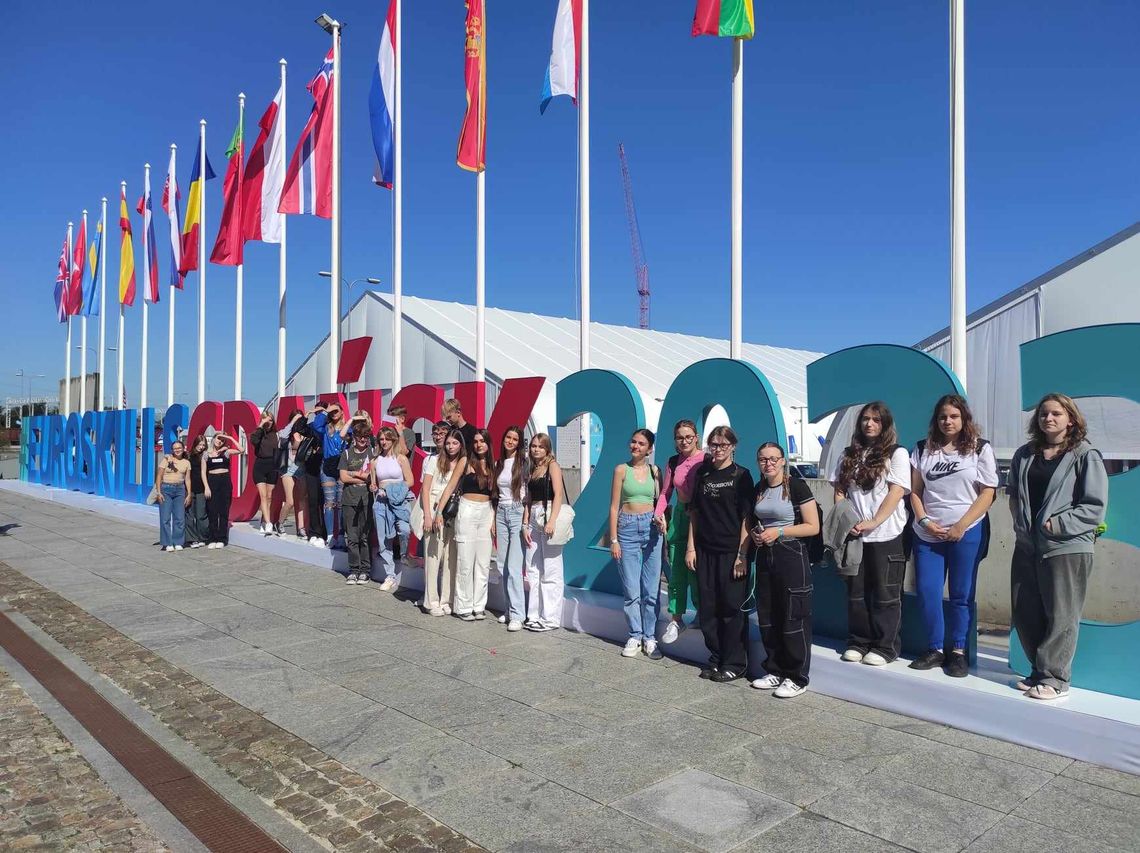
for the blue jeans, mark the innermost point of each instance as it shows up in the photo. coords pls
(933, 561)
(509, 557)
(640, 567)
(387, 558)
(331, 489)
(172, 515)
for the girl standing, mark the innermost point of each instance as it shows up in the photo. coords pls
(266, 444)
(447, 462)
(333, 427)
(474, 527)
(510, 484)
(392, 477)
(545, 494)
(173, 487)
(219, 486)
(680, 476)
(197, 522)
(293, 476)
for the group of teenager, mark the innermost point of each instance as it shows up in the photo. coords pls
(726, 543)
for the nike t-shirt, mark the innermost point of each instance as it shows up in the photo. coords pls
(951, 483)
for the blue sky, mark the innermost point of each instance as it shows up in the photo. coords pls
(846, 162)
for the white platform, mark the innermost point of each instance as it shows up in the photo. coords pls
(1088, 726)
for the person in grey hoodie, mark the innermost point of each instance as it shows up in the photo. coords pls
(1058, 493)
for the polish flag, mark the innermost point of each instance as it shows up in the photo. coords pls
(265, 177)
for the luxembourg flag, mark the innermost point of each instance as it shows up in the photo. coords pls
(565, 54)
(382, 100)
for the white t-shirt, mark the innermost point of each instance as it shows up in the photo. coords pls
(867, 503)
(951, 482)
(506, 497)
(438, 483)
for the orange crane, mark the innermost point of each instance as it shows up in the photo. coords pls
(640, 268)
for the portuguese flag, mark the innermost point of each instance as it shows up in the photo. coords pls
(724, 18)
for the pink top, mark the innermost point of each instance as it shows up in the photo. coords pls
(683, 477)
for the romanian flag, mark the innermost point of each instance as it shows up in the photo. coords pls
(724, 18)
(229, 243)
(126, 254)
(192, 224)
(472, 154)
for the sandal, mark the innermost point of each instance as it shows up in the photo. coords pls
(1045, 693)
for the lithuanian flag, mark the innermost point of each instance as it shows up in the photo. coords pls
(724, 18)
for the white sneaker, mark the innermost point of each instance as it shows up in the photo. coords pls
(672, 632)
(436, 611)
(768, 682)
(446, 608)
(168, 548)
(197, 544)
(350, 579)
(875, 659)
(852, 656)
(266, 529)
(388, 585)
(514, 625)
(503, 619)
(362, 579)
(177, 547)
(788, 689)
(651, 650)
(632, 648)
(316, 541)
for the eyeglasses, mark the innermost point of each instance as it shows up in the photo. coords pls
(686, 438)
(770, 460)
(719, 445)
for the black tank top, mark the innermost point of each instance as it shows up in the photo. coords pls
(218, 464)
(540, 489)
(470, 485)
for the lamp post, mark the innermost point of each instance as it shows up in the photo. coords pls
(26, 385)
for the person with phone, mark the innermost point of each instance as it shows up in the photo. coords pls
(172, 486)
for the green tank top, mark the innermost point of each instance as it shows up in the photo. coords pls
(633, 492)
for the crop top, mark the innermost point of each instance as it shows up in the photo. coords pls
(540, 489)
(387, 468)
(634, 491)
(217, 464)
(470, 485)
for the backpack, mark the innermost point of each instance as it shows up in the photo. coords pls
(815, 547)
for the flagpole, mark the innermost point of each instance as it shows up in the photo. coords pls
(958, 189)
(173, 289)
(122, 328)
(736, 322)
(584, 224)
(334, 280)
(281, 281)
(398, 216)
(240, 267)
(83, 333)
(103, 305)
(67, 312)
(146, 299)
(481, 229)
(202, 263)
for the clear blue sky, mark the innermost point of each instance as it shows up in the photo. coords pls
(846, 162)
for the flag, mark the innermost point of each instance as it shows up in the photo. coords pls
(565, 54)
(150, 248)
(192, 224)
(91, 294)
(170, 199)
(75, 288)
(308, 181)
(724, 18)
(62, 278)
(382, 101)
(265, 178)
(229, 244)
(126, 254)
(472, 154)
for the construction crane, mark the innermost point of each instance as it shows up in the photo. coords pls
(640, 268)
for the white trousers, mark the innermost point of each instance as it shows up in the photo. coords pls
(543, 574)
(473, 526)
(439, 566)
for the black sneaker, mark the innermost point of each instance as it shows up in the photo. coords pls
(930, 660)
(956, 665)
(709, 672)
(725, 675)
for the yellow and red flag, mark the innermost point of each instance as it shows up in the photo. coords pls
(126, 254)
(472, 154)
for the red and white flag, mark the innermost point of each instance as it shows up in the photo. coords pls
(265, 177)
(308, 181)
(75, 291)
(472, 153)
(62, 284)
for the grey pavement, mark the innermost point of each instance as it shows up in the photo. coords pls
(554, 742)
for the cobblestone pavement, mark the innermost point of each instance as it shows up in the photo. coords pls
(50, 797)
(351, 712)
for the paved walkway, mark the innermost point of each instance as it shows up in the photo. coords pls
(313, 694)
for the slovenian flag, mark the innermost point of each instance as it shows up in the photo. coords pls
(170, 199)
(382, 101)
(724, 18)
(565, 54)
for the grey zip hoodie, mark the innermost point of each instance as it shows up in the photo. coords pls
(1075, 502)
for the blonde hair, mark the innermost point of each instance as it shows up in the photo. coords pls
(544, 442)
(392, 436)
(1078, 428)
(450, 406)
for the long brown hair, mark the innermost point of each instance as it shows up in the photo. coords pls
(1078, 428)
(520, 464)
(388, 433)
(967, 440)
(482, 466)
(864, 459)
(444, 463)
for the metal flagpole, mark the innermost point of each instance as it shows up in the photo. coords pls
(398, 215)
(103, 307)
(83, 335)
(481, 235)
(202, 262)
(66, 308)
(736, 323)
(240, 267)
(584, 220)
(334, 281)
(146, 300)
(122, 330)
(173, 289)
(958, 189)
(281, 281)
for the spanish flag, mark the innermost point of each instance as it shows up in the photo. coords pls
(724, 18)
(126, 253)
(472, 154)
(192, 224)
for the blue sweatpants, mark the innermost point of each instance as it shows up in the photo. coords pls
(933, 562)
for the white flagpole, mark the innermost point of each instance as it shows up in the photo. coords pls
(83, 335)
(958, 189)
(398, 215)
(481, 239)
(147, 261)
(122, 330)
(173, 289)
(584, 220)
(240, 267)
(281, 281)
(66, 300)
(736, 322)
(202, 262)
(334, 281)
(103, 307)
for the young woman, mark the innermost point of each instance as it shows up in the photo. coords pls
(355, 471)
(310, 468)
(874, 475)
(449, 460)
(392, 480)
(293, 476)
(1058, 494)
(333, 428)
(173, 487)
(545, 494)
(635, 538)
(474, 527)
(784, 515)
(264, 445)
(219, 486)
(680, 476)
(953, 480)
(510, 487)
(197, 522)
(717, 552)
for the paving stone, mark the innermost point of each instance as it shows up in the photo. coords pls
(603, 768)
(683, 736)
(809, 833)
(1126, 783)
(521, 734)
(601, 830)
(1001, 749)
(363, 737)
(1101, 815)
(848, 739)
(754, 711)
(425, 768)
(594, 706)
(1014, 835)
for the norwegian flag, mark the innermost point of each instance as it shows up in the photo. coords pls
(308, 180)
(62, 284)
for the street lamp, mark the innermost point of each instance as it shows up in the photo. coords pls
(348, 285)
(27, 385)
